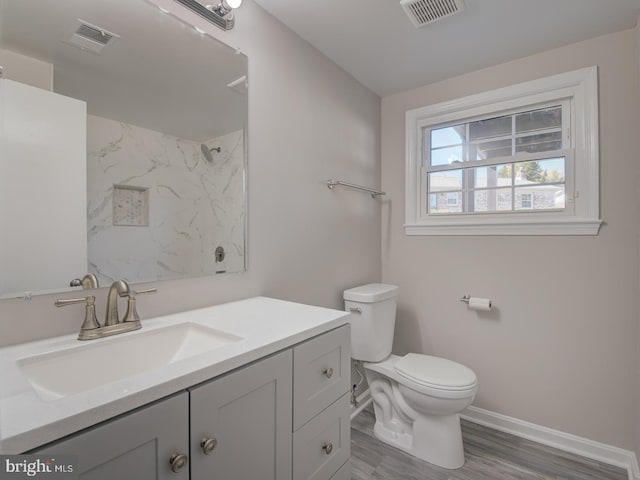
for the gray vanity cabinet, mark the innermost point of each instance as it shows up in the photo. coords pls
(283, 417)
(137, 445)
(241, 423)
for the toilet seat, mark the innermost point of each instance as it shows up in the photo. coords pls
(435, 372)
(388, 368)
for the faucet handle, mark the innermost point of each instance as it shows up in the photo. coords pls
(90, 320)
(131, 315)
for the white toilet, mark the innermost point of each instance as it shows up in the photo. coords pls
(416, 398)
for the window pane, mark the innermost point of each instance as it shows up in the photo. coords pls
(505, 176)
(445, 181)
(450, 202)
(492, 149)
(446, 156)
(540, 171)
(492, 176)
(560, 197)
(543, 142)
(493, 200)
(491, 127)
(444, 137)
(539, 197)
(539, 119)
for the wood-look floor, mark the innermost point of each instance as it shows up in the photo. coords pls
(490, 455)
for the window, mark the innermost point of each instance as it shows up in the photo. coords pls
(526, 200)
(452, 199)
(521, 160)
(494, 181)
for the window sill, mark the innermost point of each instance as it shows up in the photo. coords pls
(511, 226)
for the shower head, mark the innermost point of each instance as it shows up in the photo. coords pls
(206, 151)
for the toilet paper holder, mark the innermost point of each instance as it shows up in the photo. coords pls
(467, 298)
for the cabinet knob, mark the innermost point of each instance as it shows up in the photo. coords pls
(328, 448)
(178, 461)
(208, 444)
(328, 372)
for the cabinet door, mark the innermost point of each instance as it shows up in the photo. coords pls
(247, 417)
(135, 446)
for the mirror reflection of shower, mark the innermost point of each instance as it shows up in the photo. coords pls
(206, 151)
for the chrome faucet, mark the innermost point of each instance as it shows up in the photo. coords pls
(91, 328)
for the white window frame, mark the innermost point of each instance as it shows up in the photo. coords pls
(581, 213)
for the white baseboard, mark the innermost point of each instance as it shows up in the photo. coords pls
(555, 438)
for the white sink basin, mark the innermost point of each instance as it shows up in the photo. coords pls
(60, 374)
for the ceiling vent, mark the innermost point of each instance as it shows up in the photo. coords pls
(424, 12)
(92, 38)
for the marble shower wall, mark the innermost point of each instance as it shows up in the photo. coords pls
(190, 207)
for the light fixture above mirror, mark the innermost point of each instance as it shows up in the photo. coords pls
(221, 15)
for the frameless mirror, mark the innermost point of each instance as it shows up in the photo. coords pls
(147, 180)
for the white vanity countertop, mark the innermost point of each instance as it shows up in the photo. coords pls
(265, 324)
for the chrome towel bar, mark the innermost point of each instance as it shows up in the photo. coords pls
(336, 183)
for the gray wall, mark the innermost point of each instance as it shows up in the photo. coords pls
(309, 121)
(561, 347)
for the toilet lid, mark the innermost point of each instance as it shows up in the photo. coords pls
(435, 372)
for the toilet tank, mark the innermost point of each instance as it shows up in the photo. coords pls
(373, 318)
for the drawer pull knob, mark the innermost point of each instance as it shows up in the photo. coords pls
(328, 448)
(328, 372)
(178, 461)
(208, 445)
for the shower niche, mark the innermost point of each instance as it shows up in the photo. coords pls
(130, 206)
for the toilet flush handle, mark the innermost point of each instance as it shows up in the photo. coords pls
(355, 310)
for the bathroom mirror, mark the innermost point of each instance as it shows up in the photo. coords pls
(166, 134)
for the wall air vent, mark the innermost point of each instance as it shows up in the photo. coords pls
(424, 12)
(92, 38)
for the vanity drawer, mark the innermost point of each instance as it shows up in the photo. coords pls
(321, 373)
(322, 446)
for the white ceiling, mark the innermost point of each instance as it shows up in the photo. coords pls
(375, 41)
